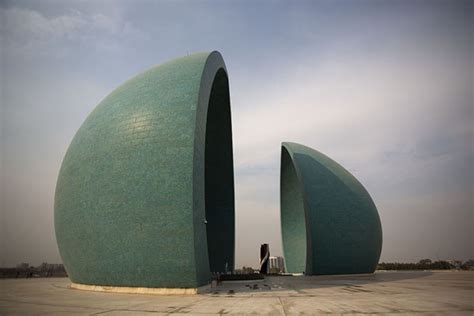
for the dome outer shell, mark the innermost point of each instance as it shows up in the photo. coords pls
(330, 224)
(130, 196)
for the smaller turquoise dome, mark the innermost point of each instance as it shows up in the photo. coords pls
(329, 223)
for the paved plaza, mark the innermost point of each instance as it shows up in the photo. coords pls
(385, 292)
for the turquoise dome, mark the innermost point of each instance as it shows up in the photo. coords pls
(145, 193)
(329, 223)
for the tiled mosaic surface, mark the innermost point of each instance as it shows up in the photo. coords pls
(343, 229)
(293, 228)
(126, 206)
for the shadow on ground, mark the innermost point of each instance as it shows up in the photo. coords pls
(298, 284)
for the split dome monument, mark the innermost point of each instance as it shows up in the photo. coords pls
(329, 223)
(145, 194)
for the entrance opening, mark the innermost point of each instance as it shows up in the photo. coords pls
(293, 223)
(219, 177)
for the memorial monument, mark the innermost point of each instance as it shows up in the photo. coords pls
(329, 223)
(145, 193)
(144, 200)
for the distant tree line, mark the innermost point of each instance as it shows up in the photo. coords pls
(427, 264)
(24, 270)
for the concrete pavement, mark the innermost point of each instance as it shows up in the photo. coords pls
(385, 292)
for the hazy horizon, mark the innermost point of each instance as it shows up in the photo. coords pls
(385, 88)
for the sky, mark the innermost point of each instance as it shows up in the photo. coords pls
(385, 88)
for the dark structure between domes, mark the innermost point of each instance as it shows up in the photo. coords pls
(329, 223)
(145, 194)
(264, 257)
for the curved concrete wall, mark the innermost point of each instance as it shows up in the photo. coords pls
(145, 194)
(330, 225)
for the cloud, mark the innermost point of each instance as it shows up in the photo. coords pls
(29, 33)
(385, 90)
(359, 109)
(400, 122)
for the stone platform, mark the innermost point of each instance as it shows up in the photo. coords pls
(385, 292)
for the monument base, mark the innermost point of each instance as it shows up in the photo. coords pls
(140, 290)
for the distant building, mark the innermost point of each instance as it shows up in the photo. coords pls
(23, 265)
(277, 264)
